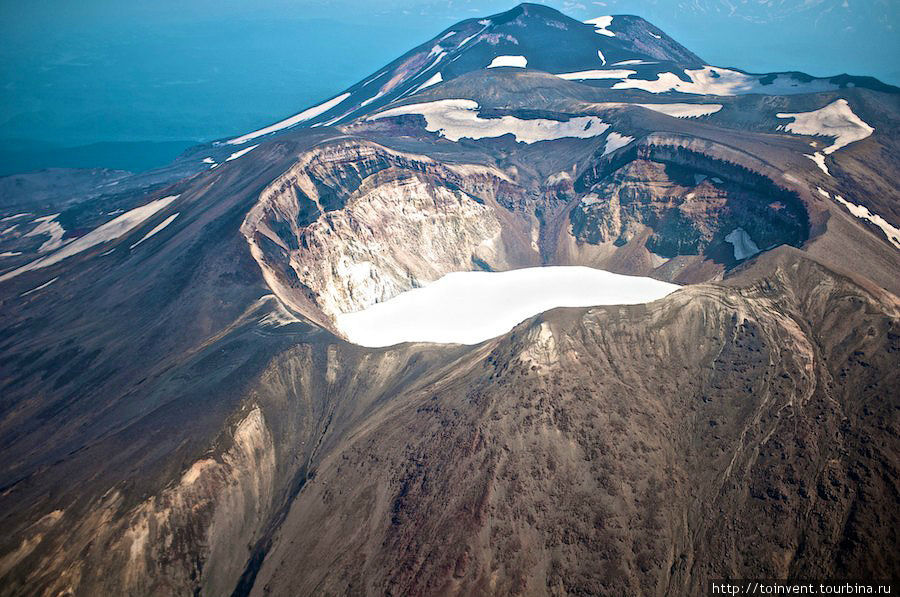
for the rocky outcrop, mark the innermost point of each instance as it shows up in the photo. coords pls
(622, 450)
(353, 224)
(191, 538)
(688, 212)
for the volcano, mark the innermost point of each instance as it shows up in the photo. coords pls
(700, 267)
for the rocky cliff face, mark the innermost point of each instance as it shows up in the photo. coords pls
(190, 537)
(179, 416)
(353, 224)
(676, 209)
(618, 451)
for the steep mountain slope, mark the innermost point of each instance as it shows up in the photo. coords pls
(179, 413)
(624, 52)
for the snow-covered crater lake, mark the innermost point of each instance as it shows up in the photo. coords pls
(471, 307)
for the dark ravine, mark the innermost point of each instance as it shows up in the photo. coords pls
(179, 414)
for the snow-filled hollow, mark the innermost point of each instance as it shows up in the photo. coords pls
(471, 307)
(516, 61)
(455, 119)
(744, 247)
(601, 25)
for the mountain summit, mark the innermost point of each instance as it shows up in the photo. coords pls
(621, 51)
(368, 350)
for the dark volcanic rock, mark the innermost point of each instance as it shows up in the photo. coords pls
(178, 414)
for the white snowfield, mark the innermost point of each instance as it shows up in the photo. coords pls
(49, 226)
(456, 119)
(744, 246)
(156, 229)
(115, 228)
(375, 97)
(432, 80)
(862, 212)
(834, 120)
(518, 61)
(289, 122)
(603, 73)
(14, 216)
(238, 154)
(471, 307)
(615, 141)
(600, 25)
(633, 62)
(712, 80)
(683, 110)
(819, 158)
(41, 287)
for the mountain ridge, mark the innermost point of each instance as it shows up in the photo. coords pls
(180, 414)
(633, 29)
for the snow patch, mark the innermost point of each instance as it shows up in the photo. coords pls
(10, 253)
(683, 110)
(470, 307)
(49, 226)
(633, 62)
(615, 141)
(601, 57)
(41, 287)
(862, 212)
(596, 74)
(601, 25)
(289, 122)
(744, 246)
(238, 154)
(517, 61)
(14, 216)
(377, 96)
(156, 229)
(433, 80)
(111, 230)
(819, 159)
(834, 120)
(455, 119)
(712, 80)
